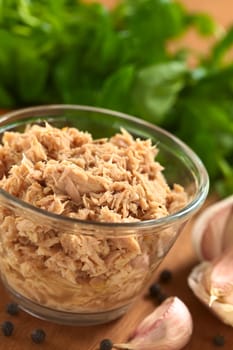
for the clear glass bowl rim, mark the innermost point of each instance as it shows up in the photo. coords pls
(187, 211)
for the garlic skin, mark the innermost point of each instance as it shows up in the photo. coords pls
(212, 283)
(212, 231)
(169, 327)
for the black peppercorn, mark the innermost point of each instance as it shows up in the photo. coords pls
(219, 340)
(7, 328)
(161, 297)
(154, 290)
(106, 344)
(165, 276)
(38, 336)
(12, 309)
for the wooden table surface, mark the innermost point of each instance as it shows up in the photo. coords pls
(180, 260)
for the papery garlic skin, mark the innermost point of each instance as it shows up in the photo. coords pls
(211, 232)
(214, 286)
(220, 278)
(212, 280)
(169, 327)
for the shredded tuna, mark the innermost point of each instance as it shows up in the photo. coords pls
(116, 179)
(65, 171)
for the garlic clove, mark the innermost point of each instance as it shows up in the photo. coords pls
(221, 278)
(211, 231)
(228, 231)
(212, 283)
(169, 327)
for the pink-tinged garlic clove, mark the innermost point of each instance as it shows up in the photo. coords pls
(212, 232)
(212, 283)
(221, 278)
(228, 231)
(169, 327)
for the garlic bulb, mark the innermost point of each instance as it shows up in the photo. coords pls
(169, 327)
(212, 280)
(212, 283)
(212, 232)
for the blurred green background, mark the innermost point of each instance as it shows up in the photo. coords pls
(154, 59)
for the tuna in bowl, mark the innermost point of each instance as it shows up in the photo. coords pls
(91, 201)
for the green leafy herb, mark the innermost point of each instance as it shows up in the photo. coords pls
(67, 51)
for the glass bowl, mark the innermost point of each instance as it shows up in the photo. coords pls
(66, 292)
